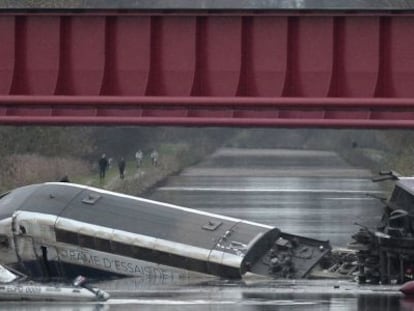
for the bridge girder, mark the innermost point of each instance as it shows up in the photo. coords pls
(298, 69)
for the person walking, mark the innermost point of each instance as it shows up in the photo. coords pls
(138, 157)
(121, 166)
(154, 157)
(103, 166)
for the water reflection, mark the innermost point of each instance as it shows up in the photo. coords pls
(53, 306)
(252, 295)
(286, 302)
(248, 302)
(286, 189)
(378, 303)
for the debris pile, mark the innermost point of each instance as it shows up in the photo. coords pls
(386, 254)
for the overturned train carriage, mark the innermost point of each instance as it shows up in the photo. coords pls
(64, 229)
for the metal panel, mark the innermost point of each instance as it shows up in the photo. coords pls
(128, 53)
(358, 56)
(174, 56)
(265, 56)
(219, 56)
(311, 56)
(37, 55)
(83, 55)
(401, 51)
(7, 53)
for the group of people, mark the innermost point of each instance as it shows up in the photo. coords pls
(139, 156)
(105, 163)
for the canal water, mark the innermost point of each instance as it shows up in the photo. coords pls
(312, 193)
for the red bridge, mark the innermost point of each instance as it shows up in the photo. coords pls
(219, 68)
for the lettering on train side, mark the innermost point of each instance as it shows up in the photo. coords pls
(115, 265)
(24, 289)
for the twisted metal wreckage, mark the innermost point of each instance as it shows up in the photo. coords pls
(386, 254)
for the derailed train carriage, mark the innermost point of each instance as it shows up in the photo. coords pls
(64, 229)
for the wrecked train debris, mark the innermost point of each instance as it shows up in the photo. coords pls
(63, 229)
(386, 254)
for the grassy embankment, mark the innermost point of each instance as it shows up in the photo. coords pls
(378, 160)
(23, 169)
(33, 168)
(173, 158)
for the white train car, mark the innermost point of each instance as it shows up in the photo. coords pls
(64, 229)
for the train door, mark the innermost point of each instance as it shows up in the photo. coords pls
(35, 255)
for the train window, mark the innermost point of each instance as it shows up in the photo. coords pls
(102, 245)
(86, 241)
(67, 237)
(121, 248)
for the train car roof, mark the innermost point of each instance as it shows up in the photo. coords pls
(13, 200)
(136, 215)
